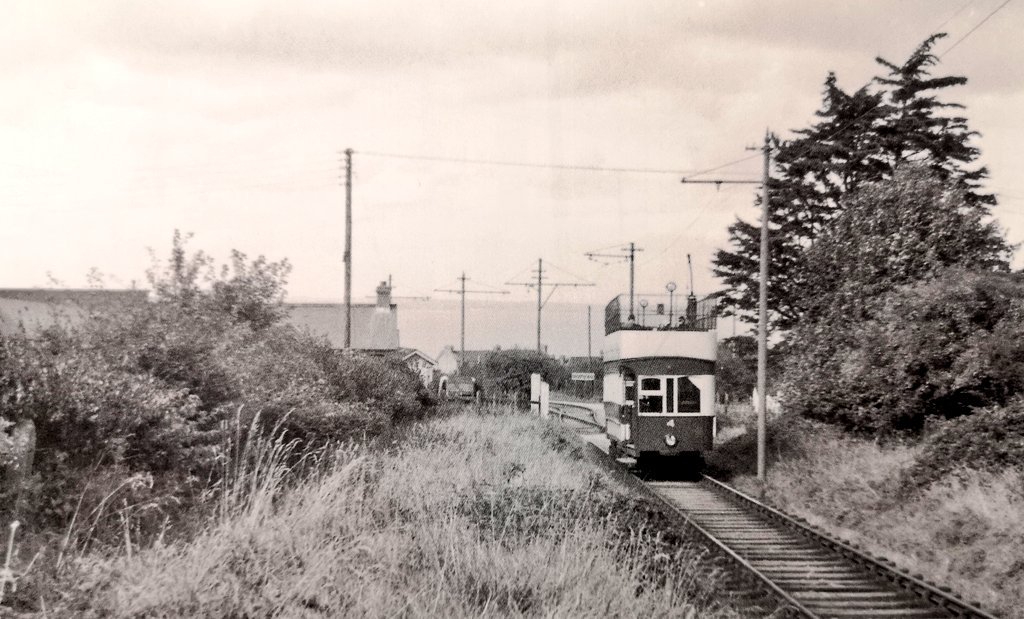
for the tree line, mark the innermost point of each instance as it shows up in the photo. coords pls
(890, 282)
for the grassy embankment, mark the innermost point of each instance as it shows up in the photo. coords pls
(965, 530)
(468, 515)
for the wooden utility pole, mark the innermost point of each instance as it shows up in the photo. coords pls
(590, 336)
(540, 305)
(762, 316)
(348, 248)
(462, 292)
(629, 253)
(541, 301)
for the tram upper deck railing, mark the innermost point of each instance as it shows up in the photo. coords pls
(661, 312)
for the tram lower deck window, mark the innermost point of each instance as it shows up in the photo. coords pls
(652, 395)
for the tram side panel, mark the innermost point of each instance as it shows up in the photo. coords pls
(615, 422)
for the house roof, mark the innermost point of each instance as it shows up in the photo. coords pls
(81, 296)
(412, 352)
(36, 309)
(472, 356)
(373, 327)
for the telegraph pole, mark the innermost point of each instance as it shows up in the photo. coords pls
(462, 292)
(540, 305)
(590, 336)
(762, 319)
(762, 305)
(348, 248)
(541, 301)
(630, 255)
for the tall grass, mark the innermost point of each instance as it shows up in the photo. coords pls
(965, 531)
(476, 514)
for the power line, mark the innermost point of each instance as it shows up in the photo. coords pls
(971, 31)
(522, 164)
(953, 16)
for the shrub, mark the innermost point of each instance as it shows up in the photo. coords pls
(146, 391)
(935, 349)
(990, 440)
(89, 415)
(509, 371)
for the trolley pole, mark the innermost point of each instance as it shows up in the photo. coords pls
(762, 320)
(348, 248)
(632, 263)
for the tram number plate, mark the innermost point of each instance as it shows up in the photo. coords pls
(583, 376)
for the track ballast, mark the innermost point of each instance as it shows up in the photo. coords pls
(809, 572)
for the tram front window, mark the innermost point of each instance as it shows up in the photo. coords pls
(652, 396)
(689, 396)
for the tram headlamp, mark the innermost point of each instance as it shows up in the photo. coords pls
(670, 440)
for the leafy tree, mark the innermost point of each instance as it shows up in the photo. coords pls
(939, 348)
(246, 292)
(894, 232)
(859, 138)
(736, 368)
(251, 292)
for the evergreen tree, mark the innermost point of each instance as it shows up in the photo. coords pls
(859, 138)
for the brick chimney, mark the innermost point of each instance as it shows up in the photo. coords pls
(384, 296)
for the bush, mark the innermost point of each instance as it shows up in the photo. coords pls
(147, 392)
(89, 415)
(990, 440)
(509, 371)
(935, 349)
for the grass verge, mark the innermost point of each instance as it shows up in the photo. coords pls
(476, 514)
(964, 530)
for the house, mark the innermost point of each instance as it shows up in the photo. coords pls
(419, 363)
(448, 359)
(374, 326)
(33, 310)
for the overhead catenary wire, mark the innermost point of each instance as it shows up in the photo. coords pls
(954, 15)
(972, 30)
(547, 166)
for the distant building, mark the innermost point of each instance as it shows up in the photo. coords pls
(419, 363)
(448, 359)
(374, 326)
(33, 310)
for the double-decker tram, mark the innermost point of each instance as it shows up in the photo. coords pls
(659, 377)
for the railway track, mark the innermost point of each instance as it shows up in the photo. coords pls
(810, 573)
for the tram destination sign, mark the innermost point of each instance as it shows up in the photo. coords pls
(583, 376)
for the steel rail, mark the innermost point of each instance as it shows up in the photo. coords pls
(762, 579)
(840, 554)
(930, 592)
(580, 405)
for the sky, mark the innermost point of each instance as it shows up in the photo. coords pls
(121, 121)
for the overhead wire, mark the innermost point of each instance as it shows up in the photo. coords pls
(954, 15)
(524, 164)
(972, 30)
(554, 266)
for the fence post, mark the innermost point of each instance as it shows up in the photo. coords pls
(544, 399)
(535, 393)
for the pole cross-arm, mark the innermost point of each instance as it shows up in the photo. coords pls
(555, 285)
